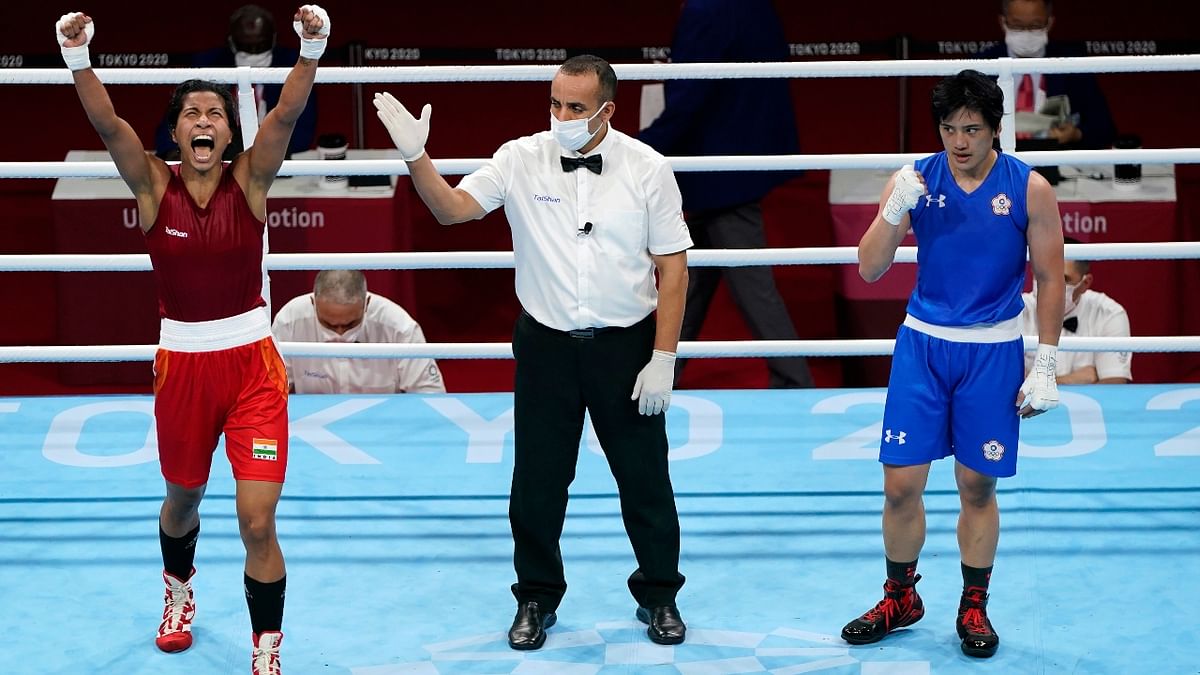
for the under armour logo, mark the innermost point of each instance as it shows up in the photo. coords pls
(941, 201)
(889, 437)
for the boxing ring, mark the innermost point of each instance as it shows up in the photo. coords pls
(394, 517)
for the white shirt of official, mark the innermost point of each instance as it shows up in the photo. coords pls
(383, 322)
(568, 276)
(1099, 316)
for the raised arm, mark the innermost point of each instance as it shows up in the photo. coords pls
(257, 167)
(75, 32)
(877, 248)
(449, 205)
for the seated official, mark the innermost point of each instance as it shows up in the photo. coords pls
(341, 310)
(1027, 25)
(1087, 313)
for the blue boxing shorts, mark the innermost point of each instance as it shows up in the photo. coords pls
(953, 398)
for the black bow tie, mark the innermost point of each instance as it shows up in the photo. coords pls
(593, 163)
(1071, 324)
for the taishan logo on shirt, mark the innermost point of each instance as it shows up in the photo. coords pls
(546, 198)
(264, 449)
(176, 233)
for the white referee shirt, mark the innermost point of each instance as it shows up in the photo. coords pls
(383, 321)
(1099, 316)
(566, 278)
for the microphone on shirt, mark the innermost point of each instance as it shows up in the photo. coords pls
(584, 231)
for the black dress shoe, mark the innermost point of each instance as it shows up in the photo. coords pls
(665, 625)
(529, 626)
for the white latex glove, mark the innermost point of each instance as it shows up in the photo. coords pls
(908, 189)
(408, 133)
(652, 390)
(74, 32)
(1039, 392)
(312, 24)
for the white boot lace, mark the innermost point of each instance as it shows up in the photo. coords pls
(177, 606)
(265, 660)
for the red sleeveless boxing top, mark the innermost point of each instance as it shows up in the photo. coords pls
(208, 262)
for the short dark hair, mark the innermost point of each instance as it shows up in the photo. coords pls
(1084, 266)
(1048, 3)
(587, 63)
(972, 90)
(193, 86)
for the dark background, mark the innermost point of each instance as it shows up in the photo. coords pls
(854, 115)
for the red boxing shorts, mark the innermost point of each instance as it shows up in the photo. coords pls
(241, 392)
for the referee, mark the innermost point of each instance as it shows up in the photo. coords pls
(594, 214)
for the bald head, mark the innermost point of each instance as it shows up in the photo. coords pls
(1027, 14)
(343, 287)
(340, 299)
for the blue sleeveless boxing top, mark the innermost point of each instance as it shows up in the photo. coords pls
(971, 247)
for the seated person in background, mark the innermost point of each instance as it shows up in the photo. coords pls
(1087, 313)
(251, 42)
(341, 310)
(1026, 25)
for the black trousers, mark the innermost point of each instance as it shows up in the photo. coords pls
(557, 378)
(753, 289)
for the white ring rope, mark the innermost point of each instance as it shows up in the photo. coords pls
(503, 350)
(628, 71)
(425, 260)
(458, 167)
(1006, 68)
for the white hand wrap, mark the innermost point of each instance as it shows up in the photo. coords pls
(652, 389)
(76, 58)
(313, 48)
(905, 194)
(408, 133)
(1041, 385)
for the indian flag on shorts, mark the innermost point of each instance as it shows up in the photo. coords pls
(264, 448)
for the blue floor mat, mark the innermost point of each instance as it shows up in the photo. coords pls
(394, 527)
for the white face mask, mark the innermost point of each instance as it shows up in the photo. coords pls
(261, 60)
(1069, 303)
(1027, 43)
(574, 134)
(351, 336)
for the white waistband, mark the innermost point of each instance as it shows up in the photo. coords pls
(1001, 331)
(211, 336)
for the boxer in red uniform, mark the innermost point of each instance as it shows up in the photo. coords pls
(217, 369)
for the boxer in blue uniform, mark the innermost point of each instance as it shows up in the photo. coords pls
(958, 361)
